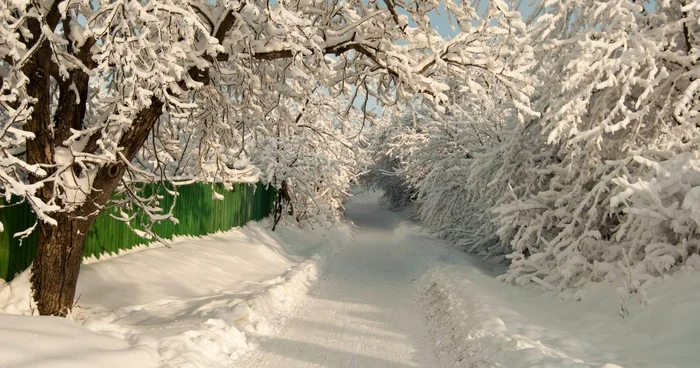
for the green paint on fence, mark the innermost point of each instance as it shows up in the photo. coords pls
(196, 210)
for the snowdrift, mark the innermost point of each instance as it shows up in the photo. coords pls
(478, 321)
(52, 342)
(205, 302)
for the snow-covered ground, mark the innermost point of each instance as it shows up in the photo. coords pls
(479, 321)
(360, 315)
(482, 322)
(363, 314)
(202, 303)
(394, 296)
(49, 342)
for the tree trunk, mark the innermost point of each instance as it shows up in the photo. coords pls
(60, 248)
(57, 264)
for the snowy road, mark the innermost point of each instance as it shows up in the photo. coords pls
(363, 313)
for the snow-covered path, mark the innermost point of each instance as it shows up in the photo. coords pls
(363, 313)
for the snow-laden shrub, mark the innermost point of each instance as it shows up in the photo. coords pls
(619, 93)
(604, 184)
(451, 156)
(385, 175)
(456, 194)
(512, 169)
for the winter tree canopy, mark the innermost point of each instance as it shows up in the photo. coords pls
(99, 96)
(603, 183)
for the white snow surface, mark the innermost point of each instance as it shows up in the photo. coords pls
(394, 296)
(202, 303)
(363, 314)
(479, 321)
(52, 342)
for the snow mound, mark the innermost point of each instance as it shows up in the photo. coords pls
(15, 296)
(203, 303)
(478, 321)
(473, 333)
(50, 342)
(220, 327)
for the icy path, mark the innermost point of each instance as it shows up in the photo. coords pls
(363, 313)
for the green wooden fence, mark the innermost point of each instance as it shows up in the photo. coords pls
(197, 211)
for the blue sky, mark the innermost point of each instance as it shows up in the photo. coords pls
(441, 22)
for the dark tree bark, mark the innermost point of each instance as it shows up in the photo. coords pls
(283, 195)
(60, 250)
(57, 264)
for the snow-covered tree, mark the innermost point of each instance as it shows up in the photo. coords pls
(602, 184)
(455, 194)
(101, 95)
(319, 156)
(423, 146)
(619, 96)
(393, 141)
(444, 155)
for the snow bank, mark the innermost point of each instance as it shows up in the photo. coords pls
(51, 342)
(202, 303)
(477, 321)
(15, 297)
